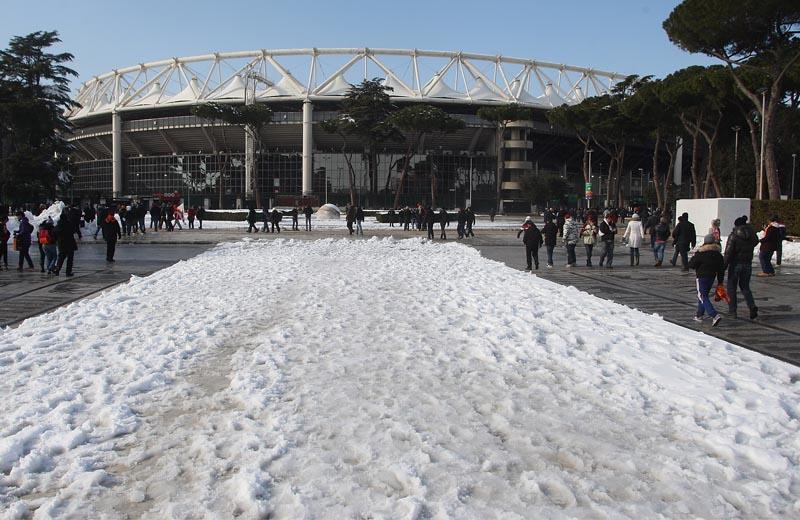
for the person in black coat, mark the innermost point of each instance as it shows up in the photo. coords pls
(739, 258)
(111, 233)
(532, 238)
(251, 221)
(685, 238)
(295, 224)
(607, 232)
(444, 221)
(307, 211)
(708, 264)
(462, 222)
(429, 219)
(275, 219)
(201, 215)
(470, 222)
(65, 238)
(550, 231)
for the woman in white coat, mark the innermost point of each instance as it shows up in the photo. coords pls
(634, 234)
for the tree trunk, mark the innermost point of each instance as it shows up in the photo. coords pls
(620, 165)
(401, 184)
(671, 151)
(655, 168)
(433, 188)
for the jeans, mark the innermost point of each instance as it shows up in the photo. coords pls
(460, 230)
(765, 257)
(571, 254)
(191, 223)
(703, 302)
(550, 254)
(42, 256)
(141, 225)
(739, 275)
(359, 230)
(51, 253)
(608, 252)
(308, 223)
(589, 248)
(658, 251)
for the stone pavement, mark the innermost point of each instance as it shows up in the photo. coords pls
(666, 291)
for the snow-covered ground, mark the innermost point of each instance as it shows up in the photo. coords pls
(384, 379)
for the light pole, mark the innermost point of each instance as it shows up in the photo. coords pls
(470, 180)
(735, 156)
(591, 182)
(794, 157)
(760, 191)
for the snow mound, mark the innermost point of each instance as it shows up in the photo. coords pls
(328, 212)
(384, 384)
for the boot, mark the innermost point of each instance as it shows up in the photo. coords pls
(637, 260)
(631, 260)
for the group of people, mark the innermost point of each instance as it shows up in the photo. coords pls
(56, 241)
(272, 219)
(708, 261)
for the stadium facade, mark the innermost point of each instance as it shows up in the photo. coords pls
(135, 135)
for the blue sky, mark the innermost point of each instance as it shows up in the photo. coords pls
(622, 36)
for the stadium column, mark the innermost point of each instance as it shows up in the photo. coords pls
(116, 154)
(308, 139)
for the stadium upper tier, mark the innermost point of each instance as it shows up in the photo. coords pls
(327, 74)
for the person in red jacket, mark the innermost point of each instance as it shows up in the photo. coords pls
(769, 244)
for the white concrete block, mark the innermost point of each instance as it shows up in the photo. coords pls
(703, 211)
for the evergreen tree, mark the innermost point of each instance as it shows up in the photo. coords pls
(34, 95)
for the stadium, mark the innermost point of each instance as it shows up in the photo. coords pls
(135, 135)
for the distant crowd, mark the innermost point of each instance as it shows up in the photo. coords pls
(708, 260)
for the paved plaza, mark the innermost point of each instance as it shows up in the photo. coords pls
(667, 292)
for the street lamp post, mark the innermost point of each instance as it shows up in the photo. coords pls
(470, 180)
(735, 157)
(760, 191)
(591, 182)
(794, 157)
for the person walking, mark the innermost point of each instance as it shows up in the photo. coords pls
(739, 259)
(461, 219)
(307, 211)
(111, 233)
(607, 231)
(46, 237)
(391, 215)
(769, 244)
(444, 221)
(23, 235)
(65, 238)
(532, 238)
(4, 236)
(429, 220)
(714, 230)
(550, 232)
(406, 218)
(571, 232)
(266, 218)
(155, 217)
(295, 223)
(251, 221)
(190, 214)
(201, 215)
(470, 222)
(661, 235)
(359, 220)
(634, 235)
(685, 238)
(350, 218)
(275, 219)
(707, 264)
(589, 237)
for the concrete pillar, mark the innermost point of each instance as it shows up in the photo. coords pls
(308, 140)
(116, 154)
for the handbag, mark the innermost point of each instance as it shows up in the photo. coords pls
(721, 294)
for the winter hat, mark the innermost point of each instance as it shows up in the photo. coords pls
(685, 216)
(741, 221)
(716, 222)
(567, 215)
(635, 216)
(528, 219)
(709, 239)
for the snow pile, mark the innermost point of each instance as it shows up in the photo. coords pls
(353, 379)
(328, 212)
